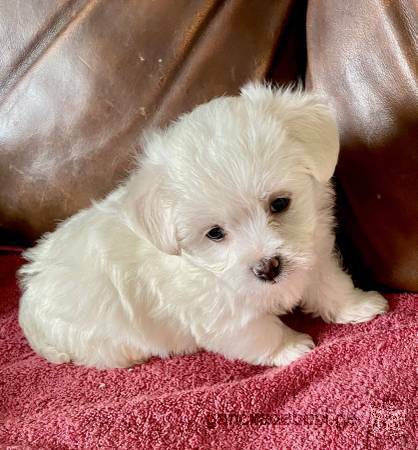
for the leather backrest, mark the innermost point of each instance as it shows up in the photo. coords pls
(81, 79)
(363, 56)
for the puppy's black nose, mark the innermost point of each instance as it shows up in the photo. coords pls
(268, 268)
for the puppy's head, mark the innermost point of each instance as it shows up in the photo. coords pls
(239, 186)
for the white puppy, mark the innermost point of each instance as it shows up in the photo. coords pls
(226, 224)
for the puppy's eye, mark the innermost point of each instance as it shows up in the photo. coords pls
(216, 234)
(279, 205)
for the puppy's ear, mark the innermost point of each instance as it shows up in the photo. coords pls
(153, 210)
(307, 119)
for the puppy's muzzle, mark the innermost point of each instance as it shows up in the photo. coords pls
(268, 268)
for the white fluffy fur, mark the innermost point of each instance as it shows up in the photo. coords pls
(134, 275)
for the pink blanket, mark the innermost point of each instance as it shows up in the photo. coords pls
(357, 389)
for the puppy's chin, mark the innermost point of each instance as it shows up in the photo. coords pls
(278, 296)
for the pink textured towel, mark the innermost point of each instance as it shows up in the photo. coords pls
(356, 390)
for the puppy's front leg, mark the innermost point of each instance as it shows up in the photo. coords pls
(264, 340)
(333, 296)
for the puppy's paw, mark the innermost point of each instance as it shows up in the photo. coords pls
(296, 345)
(363, 306)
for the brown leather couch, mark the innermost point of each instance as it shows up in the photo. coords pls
(80, 79)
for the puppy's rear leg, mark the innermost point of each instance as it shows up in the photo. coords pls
(265, 340)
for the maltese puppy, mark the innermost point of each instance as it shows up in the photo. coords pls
(226, 224)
